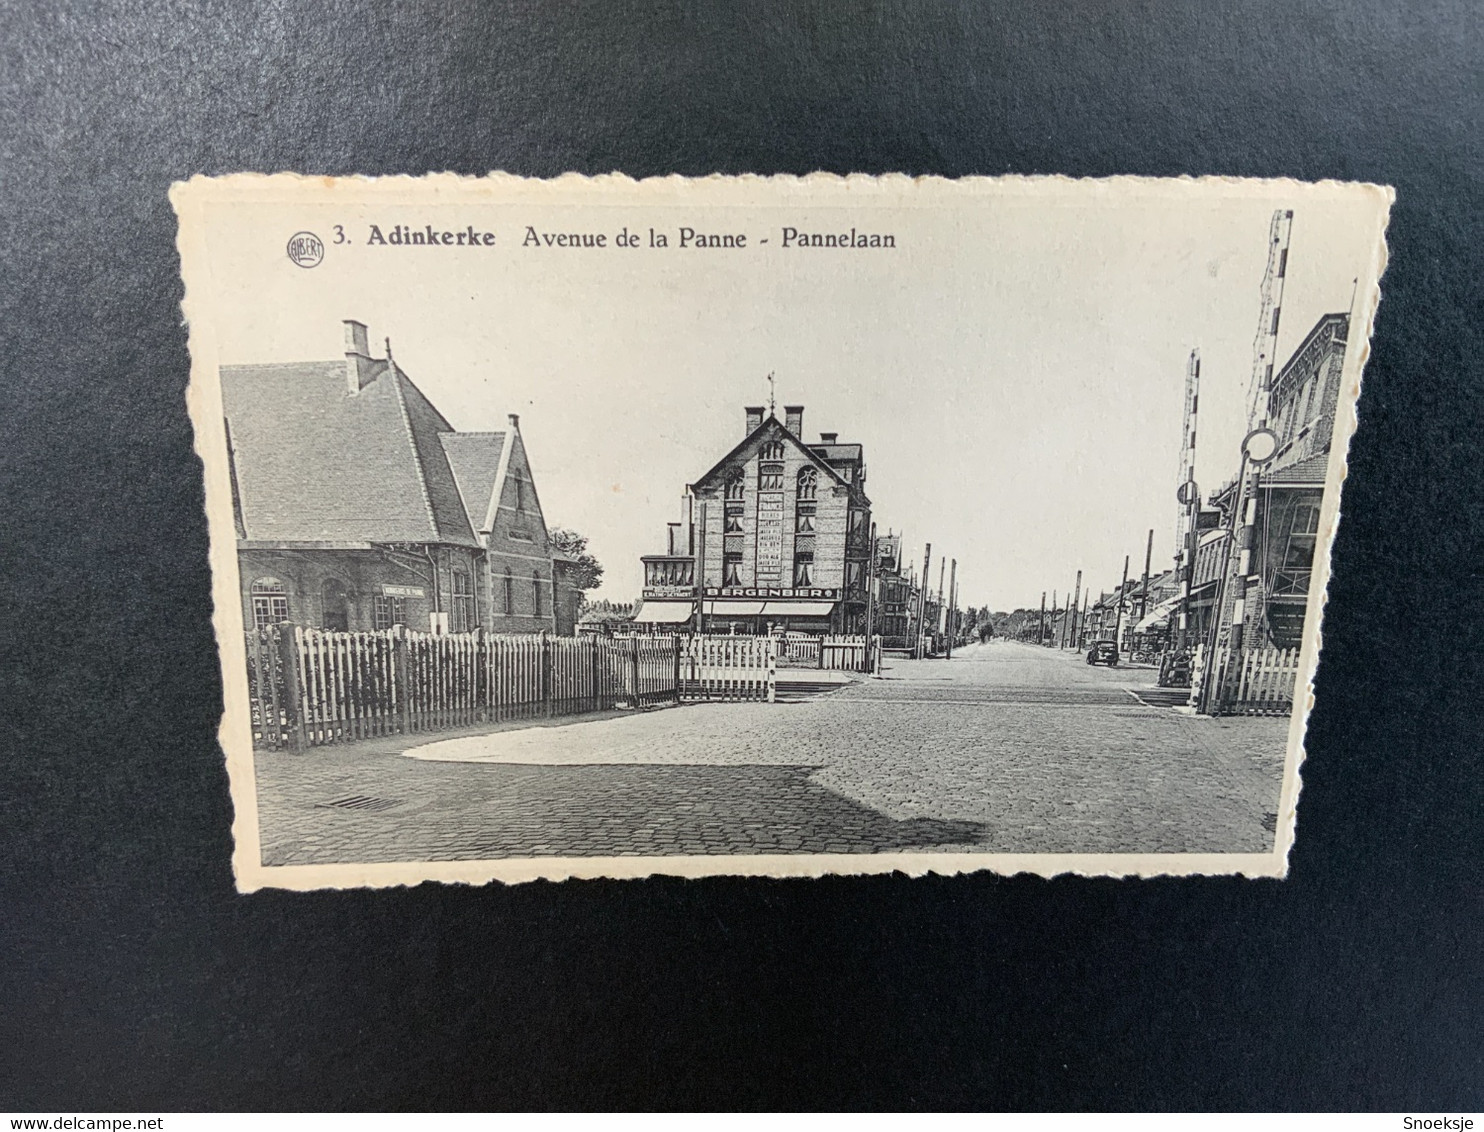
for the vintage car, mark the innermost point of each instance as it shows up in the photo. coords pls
(1103, 652)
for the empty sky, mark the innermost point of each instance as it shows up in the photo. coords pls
(1014, 367)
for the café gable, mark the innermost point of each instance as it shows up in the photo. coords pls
(774, 538)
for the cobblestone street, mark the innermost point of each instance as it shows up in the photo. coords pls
(1005, 748)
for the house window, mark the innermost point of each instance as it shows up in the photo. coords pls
(509, 593)
(520, 494)
(808, 483)
(735, 486)
(804, 518)
(804, 568)
(857, 526)
(854, 576)
(773, 450)
(523, 536)
(389, 611)
(463, 603)
(770, 477)
(270, 603)
(536, 591)
(733, 519)
(731, 570)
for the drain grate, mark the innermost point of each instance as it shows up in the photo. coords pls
(1270, 822)
(359, 802)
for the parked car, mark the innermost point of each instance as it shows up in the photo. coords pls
(1103, 652)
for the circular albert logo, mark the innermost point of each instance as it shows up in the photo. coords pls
(306, 249)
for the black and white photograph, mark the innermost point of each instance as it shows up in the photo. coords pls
(782, 526)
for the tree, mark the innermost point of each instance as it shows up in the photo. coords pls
(587, 573)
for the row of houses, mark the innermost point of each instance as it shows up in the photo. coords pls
(359, 507)
(1145, 615)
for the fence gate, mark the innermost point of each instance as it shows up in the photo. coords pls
(729, 668)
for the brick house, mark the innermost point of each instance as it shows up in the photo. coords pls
(780, 531)
(358, 506)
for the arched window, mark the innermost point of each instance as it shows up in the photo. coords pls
(270, 603)
(808, 483)
(773, 450)
(509, 594)
(334, 606)
(536, 591)
(735, 486)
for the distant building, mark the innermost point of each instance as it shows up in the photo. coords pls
(775, 536)
(358, 506)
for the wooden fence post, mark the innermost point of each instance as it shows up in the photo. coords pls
(288, 654)
(546, 674)
(676, 640)
(401, 677)
(634, 668)
(772, 670)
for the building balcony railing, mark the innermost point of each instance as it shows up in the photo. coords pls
(669, 570)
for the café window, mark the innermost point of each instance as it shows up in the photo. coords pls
(804, 569)
(733, 518)
(270, 602)
(388, 611)
(463, 602)
(770, 477)
(731, 570)
(804, 519)
(773, 450)
(735, 486)
(808, 483)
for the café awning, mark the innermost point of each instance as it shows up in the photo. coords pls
(798, 608)
(1158, 616)
(664, 612)
(733, 608)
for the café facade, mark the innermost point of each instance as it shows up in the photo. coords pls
(773, 538)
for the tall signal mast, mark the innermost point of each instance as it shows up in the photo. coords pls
(1257, 448)
(1188, 495)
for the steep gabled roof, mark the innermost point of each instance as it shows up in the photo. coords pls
(315, 462)
(475, 460)
(765, 431)
(1302, 473)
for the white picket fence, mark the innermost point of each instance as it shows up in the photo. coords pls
(843, 653)
(729, 668)
(1249, 682)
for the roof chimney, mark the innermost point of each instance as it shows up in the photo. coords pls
(515, 421)
(358, 371)
(754, 418)
(793, 419)
(828, 437)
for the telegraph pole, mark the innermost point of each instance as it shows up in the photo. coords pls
(870, 594)
(1144, 596)
(1041, 621)
(952, 593)
(927, 564)
(1076, 602)
(1118, 615)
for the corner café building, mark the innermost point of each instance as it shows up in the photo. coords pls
(774, 538)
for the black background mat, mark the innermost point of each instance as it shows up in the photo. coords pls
(133, 977)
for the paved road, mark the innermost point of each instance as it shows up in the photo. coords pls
(1005, 748)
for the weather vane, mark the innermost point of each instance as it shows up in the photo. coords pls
(771, 400)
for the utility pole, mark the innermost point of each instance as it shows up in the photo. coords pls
(1041, 621)
(1083, 621)
(1144, 594)
(1187, 537)
(952, 593)
(700, 568)
(927, 564)
(1118, 615)
(1076, 602)
(942, 609)
(1052, 626)
(870, 594)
